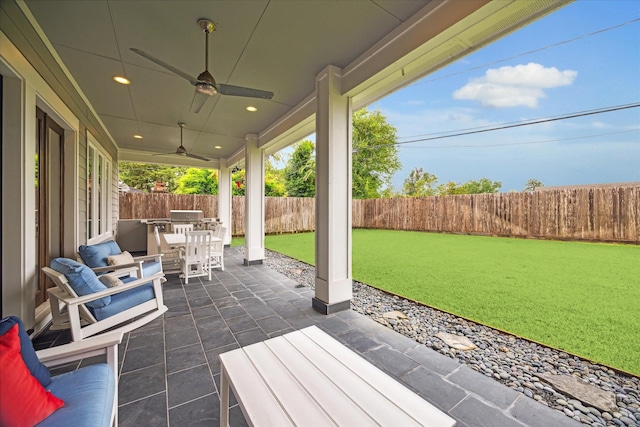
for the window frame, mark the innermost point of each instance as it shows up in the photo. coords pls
(99, 168)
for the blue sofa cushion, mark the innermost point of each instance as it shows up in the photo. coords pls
(125, 300)
(96, 255)
(37, 369)
(88, 395)
(82, 279)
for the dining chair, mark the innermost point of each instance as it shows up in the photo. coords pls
(182, 228)
(217, 248)
(171, 256)
(195, 254)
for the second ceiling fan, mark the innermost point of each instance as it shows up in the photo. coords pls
(205, 84)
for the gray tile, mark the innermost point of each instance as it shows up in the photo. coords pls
(217, 338)
(232, 311)
(240, 324)
(202, 312)
(200, 302)
(433, 360)
(390, 360)
(141, 383)
(356, 339)
(475, 413)
(434, 388)
(189, 384)
(139, 339)
(213, 356)
(251, 336)
(181, 338)
(178, 323)
(534, 414)
(202, 412)
(143, 357)
(260, 312)
(185, 358)
(488, 389)
(272, 324)
(334, 325)
(395, 340)
(151, 411)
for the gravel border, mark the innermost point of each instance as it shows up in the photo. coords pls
(511, 360)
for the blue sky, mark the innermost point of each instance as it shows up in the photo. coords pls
(593, 72)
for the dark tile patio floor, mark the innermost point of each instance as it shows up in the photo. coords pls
(170, 372)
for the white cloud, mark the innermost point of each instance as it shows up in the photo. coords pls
(508, 86)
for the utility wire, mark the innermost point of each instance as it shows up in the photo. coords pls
(549, 46)
(530, 142)
(512, 125)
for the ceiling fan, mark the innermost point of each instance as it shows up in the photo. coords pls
(181, 151)
(205, 84)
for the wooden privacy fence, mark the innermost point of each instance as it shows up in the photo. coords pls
(608, 214)
(600, 214)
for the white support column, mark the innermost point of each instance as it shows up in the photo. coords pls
(224, 199)
(254, 202)
(333, 194)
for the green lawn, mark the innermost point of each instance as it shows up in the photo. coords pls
(583, 298)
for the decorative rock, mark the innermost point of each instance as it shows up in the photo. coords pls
(586, 393)
(456, 341)
(394, 315)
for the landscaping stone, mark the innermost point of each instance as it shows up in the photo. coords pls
(525, 362)
(456, 341)
(590, 395)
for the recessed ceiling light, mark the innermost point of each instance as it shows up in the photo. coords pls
(137, 136)
(217, 146)
(251, 108)
(121, 80)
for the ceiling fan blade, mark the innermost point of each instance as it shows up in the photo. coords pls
(243, 91)
(163, 64)
(195, 156)
(163, 154)
(198, 102)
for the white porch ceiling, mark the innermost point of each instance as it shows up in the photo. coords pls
(274, 45)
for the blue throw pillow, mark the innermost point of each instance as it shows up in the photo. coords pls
(82, 279)
(37, 369)
(96, 255)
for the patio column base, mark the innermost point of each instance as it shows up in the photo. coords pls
(324, 308)
(253, 262)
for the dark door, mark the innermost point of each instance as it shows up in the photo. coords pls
(49, 196)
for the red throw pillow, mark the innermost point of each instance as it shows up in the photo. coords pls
(23, 400)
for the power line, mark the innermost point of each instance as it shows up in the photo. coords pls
(549, 46)
(530, 142)
(511, 125)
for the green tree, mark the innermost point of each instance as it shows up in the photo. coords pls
(198, 181)
(482, 185)
(532, 184)
(300, 172)
(375, 157)
(142, 176)
(419, 183)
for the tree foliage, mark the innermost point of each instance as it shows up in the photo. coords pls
(300, 172)
(532, 184)
(143, 176)
(482, 185)
(198, 181)
(419, 183)
(375, 157)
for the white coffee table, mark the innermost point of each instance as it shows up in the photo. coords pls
(307, 377)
